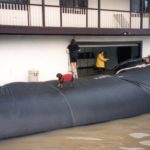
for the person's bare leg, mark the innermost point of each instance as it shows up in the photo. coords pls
(72, 66)
(75, 70)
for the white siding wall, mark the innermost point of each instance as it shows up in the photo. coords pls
(135, 20)
(115, 4)
(93, 14)
(36, 15)
(47, 54)
(112, 19)
(52, 16)
(13, 17)
(52, 2)
(146, 21)
(92, 18)
(115, 19)
(73, 20)
(93, 3)
(35, 1)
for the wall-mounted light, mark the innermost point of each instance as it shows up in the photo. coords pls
(126, 33)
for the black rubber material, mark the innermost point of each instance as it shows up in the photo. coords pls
(27, 108)
(128, 63)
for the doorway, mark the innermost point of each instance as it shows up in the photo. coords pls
(123, 53)
(117, 53)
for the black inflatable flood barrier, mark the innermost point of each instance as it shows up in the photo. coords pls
(27, 108)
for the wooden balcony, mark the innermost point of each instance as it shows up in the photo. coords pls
(55, 20)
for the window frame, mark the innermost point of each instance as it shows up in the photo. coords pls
(133, 8)
(146, 9)
(15, 1)
(141, 7)
(74, 3)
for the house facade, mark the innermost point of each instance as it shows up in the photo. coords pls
(34, 35)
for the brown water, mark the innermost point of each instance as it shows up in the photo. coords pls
(125, 134)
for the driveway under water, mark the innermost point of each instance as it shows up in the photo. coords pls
(124, 134)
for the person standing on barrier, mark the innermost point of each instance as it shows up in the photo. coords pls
(100, 62)
(73, 53)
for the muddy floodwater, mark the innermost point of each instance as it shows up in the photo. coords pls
(125, 134)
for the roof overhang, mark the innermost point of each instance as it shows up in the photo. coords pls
(72, 31)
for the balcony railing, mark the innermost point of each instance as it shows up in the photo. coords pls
(39, 15)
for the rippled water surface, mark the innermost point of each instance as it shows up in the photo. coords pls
(124, 134)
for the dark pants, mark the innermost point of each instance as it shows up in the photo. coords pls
(101, 70)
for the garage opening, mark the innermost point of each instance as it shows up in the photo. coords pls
(116, 52)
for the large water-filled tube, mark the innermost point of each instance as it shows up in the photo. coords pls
(27, 108)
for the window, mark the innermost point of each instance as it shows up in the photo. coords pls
(15, 1)
(117, 52)
(135, 5)
(74, 3)
(146, 5)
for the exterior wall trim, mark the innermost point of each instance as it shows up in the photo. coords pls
(72, 31)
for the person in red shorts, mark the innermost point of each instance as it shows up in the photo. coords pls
(64, 78)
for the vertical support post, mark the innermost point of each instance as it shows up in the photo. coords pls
(86, 17)
(130, 20)
(29, 14)
(86, 9)
(61, 8)
(141, 14)
(43, 12)
(98, 13)
(149, 20)
(130, 15)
